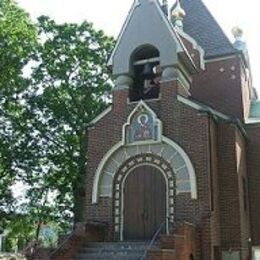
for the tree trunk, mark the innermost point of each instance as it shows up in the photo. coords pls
(79, 185)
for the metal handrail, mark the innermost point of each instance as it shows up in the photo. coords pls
(63, 243)
(101, 251)
(156, 234)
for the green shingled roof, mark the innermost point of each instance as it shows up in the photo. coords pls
(255, 109)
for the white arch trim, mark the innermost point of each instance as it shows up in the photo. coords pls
(100, 168)
(191, 171)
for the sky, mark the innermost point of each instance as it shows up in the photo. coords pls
(109, 16)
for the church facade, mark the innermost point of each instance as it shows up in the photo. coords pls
(180, 144)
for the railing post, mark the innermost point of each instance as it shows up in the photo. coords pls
(156, 234)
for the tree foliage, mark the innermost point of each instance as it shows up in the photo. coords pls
(18, 38)
(67, 92)
(44, 118)
(17, 42)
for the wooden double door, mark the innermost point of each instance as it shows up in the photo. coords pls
(144, 203)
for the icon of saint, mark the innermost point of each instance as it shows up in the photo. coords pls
(143, 131)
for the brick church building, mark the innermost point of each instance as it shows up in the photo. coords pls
(175, 159)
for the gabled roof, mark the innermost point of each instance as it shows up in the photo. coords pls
(146, 24)
(202, 26)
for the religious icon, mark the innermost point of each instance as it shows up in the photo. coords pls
(143, 130)
(142, 126)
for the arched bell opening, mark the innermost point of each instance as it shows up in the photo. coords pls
(147, 73)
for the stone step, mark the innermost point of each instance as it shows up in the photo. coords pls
(132, 257)
(86, 250)
(112, 250)
(117, 255)
(115, 244)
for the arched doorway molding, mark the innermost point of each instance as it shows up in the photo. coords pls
(119, 184)
(120, 153)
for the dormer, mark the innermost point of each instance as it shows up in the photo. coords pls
(150, 51)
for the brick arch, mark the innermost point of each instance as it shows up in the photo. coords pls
(119, 181)
(120, 153)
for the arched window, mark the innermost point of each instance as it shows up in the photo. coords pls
(147, 73)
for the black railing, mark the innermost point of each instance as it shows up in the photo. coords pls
(155, 236)
(63, 243)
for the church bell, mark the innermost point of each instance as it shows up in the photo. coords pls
(148, 71)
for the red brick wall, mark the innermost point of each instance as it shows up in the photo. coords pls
(220, 86)
(214, 185)
(243, 195)
(189, 129)
(179, 246)
(212, 150)
(234, 220)
(179, 123)
(253, 163)
(228, 188)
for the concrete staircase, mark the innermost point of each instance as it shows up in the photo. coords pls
(112, 251)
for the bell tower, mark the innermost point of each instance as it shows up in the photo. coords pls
(153, 49)
(139, 170)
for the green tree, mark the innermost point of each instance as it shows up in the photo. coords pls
(19, 231)
(17, 41)
(44, 117)
(18, 38)
(69, 80)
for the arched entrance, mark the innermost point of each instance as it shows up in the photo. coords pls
(143, 198)
(144, 203)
